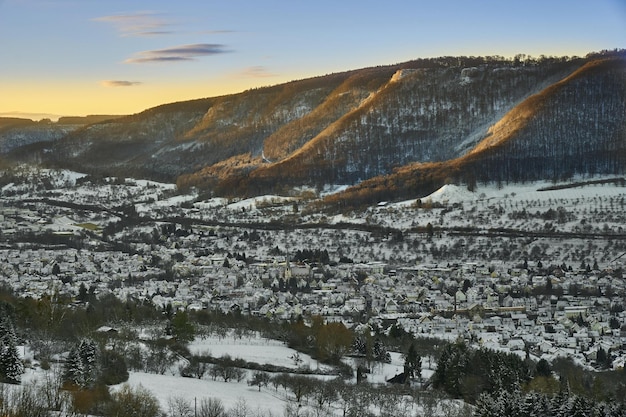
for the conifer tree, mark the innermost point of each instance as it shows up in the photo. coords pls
(413, 363)
(73, 370)
(82, 365)
(11, 366)
(89, 356)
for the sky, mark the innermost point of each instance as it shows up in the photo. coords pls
(80, 57)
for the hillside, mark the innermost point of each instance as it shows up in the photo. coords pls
(391, 131)
(576, 127)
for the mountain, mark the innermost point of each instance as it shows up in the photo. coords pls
(390, 132)
(575, 127)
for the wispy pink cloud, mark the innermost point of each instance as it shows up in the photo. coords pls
(178, 53)
(138, 24)
(119, 83)
(256, 72)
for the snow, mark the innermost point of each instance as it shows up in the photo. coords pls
(267, 351)
(175, 201)
(254, 349)
(256, 202)
(450, 194)
(333, 189)
(211, 203)
(341, 218)
(165, 387)
(161, 185)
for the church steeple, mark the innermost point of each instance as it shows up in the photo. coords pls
(288, 273)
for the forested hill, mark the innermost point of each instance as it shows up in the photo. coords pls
(391, 131)
(576, 126)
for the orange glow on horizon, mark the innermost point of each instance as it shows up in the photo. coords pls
(80, 98)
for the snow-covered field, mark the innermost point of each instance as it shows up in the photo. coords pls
(267, 351)
(167, 387)
(255, 349)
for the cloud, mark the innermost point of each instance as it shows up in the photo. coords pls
(119, 83)
(138, 24)
(256, 72)
(178, 53)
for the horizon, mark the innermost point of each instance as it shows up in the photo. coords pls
(116, 59)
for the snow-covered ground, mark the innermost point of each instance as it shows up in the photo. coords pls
(255, 349)
(259, 202)
(166, 387)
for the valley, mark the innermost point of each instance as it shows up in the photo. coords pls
(438, 237)
(534, 270)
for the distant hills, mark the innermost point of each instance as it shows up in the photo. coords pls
(391, 132)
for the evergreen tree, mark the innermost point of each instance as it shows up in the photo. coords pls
(380, 352)
(543, 368)
(412, 363)
(82, 367)
(182, 328)
(114, 369)
(82, 293)
(11, 366)
(90, 357)
(73, 369)
(359, 345)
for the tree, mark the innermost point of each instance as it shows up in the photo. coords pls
(11, 366)
(90, 357)
(260, 379)
(543, 368)
(73, 368)
(603, 358)
(332, 340)
(359, 344)
(82, 365)
(429, 230)
(412, 363)
(240, 409)
(466, 373)
(211, 407)
(182, 328)
(195, 368)
(300, 386)
(114, 369)
(380, 352)
(324, 395)
(179, 407)
(82, 293)
(160, 358)
(130, 401)
(227, 372)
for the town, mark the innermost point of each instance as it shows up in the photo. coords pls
(541, 296)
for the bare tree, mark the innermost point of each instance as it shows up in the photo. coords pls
(227, 372)
(130, 401)
(211, 407)
(194, 369)
(240, 409)
(300, 386)
(179, 407)
(260, 379)
(50, 391)
(324, 394)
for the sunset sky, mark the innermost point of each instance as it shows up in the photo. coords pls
(79, 57)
